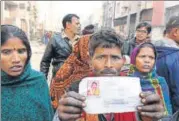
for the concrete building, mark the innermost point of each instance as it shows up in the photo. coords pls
(95, 18)
(49, 12)
(108, 13)
(17, 13)
(129, 13)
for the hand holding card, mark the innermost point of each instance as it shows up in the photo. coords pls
(110, 94)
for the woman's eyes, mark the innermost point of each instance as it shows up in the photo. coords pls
(6, 52)
(22, 51)
(151, 57)
(10, 51)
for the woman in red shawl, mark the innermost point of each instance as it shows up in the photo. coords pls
(74, 68)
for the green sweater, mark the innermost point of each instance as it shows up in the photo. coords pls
(25, 98)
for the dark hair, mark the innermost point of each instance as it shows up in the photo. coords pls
(9, 31)
(172, 23)
(164, 32)
(88, 29)
(147, 44)
(106, 38)
(94, 83)
(68, 18)
(146, 25)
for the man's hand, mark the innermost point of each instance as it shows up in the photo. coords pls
(70, 106)
(153, 108)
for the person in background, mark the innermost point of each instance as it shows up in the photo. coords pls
(45, 38)
(105, 60)
(74, 68)
(61, 45)
(89, 29)
(143, 59)
(168, 59)
(143, 31)
(25, 94)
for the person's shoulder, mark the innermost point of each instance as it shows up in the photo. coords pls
(167, 52)
(161, 79)
(83, 40)
(85, 37)
(38, 79)
(159, 42)
(36, 75)
(56, 36)
(132, 41)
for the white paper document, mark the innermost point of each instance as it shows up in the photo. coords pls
(110, 94)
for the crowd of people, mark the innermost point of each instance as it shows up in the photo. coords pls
(27, 97)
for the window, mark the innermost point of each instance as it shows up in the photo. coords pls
(6, 6)
(22, 6)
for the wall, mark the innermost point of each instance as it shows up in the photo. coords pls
(171, 11)
(158, 13)
(157, 33)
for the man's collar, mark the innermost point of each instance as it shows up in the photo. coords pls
(65, 36)
(76, 37)
(171, 43)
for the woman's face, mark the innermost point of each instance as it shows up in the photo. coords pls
(13, 56)
(145, 60)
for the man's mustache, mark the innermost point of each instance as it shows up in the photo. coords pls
(108, 71)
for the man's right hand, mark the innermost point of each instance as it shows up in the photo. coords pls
(70, 106)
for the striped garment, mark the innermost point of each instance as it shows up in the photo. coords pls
(153, 82)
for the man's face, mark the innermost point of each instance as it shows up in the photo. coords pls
(176, 34)
(75, 26)
(107, 61)
(141, 34)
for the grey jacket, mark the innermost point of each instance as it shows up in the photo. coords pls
(128, 47)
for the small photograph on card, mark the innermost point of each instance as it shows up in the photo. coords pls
(93, 88)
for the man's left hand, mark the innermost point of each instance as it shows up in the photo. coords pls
(152, 107)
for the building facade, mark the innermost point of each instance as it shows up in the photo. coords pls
(127, 15)
(18, 13)
(108, 13)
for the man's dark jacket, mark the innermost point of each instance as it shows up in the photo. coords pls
(168, 67)
(57, 50)
(128, 46)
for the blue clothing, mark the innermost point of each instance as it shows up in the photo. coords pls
(154, 83)
(168, 67)
(26, 97)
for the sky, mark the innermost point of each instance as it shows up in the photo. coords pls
(60, 8)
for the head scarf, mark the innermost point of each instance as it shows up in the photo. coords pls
(151, 81)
